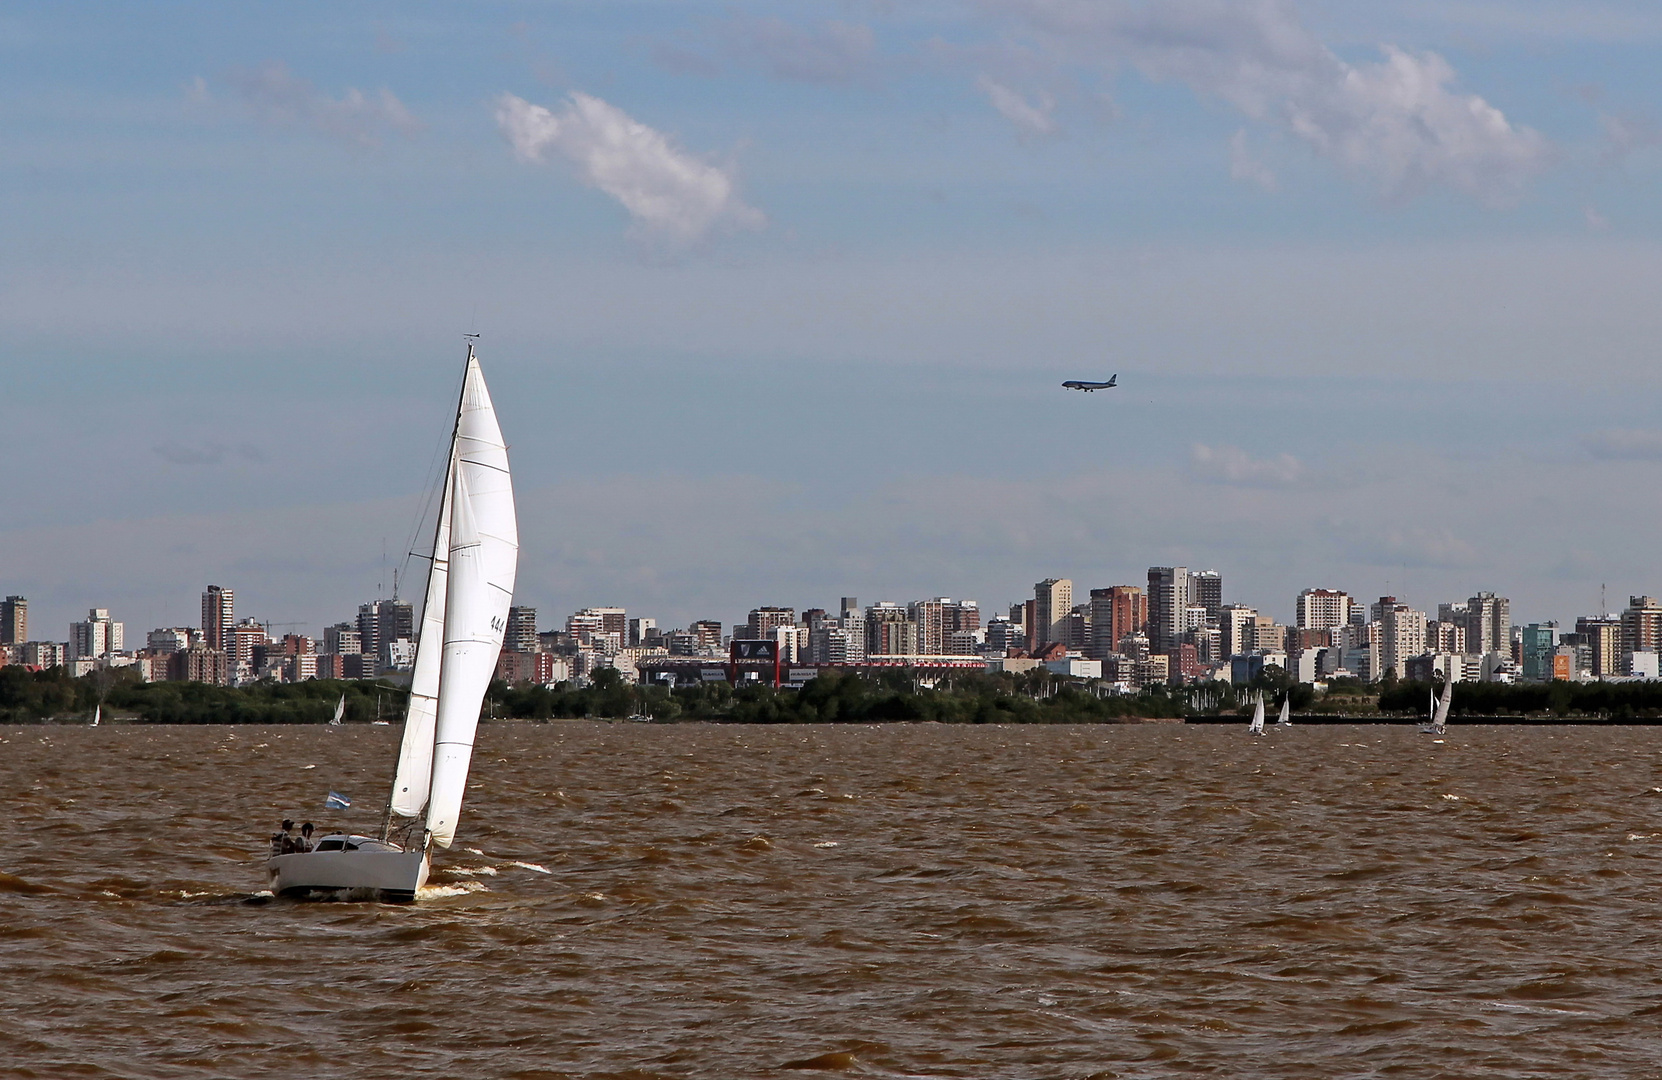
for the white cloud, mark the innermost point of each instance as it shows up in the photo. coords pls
(1035, 118)
(1398, 122)
(276, 97)
(1232, 465)
(1246, 168)
(669, 193)
(1624, 444)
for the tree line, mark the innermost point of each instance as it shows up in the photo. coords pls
(971, 697)
(36, 696)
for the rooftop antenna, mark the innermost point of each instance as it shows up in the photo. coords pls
(1604, 606)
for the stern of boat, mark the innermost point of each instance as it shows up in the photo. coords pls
(350, 867)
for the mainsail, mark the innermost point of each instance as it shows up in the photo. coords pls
(1286, 710)
(484, 555)
(1257, 725)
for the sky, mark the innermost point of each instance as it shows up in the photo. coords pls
(776, 300)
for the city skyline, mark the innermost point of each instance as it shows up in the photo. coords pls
(1376, 281)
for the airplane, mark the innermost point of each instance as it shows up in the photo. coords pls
(1078, 384)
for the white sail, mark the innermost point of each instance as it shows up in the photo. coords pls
(1286, 710)
(415, 752)
(1257, 725)
(1439, 722)
(97, 714)
(340, 711)
(484, 555)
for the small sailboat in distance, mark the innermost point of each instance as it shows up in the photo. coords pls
(470, 583)
(340, 711)
(1256, 727)
(1438, 724)
(1286, 717)
(97, 714)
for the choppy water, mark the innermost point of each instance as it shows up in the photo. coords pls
(905, 900)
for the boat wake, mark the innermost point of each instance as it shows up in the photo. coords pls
(462, 888)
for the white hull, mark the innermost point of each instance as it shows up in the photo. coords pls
(387, 871)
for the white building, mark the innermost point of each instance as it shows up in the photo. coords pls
(97, 636)
(1324, 609)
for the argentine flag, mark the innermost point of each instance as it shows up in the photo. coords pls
(336, 801)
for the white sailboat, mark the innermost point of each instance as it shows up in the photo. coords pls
(97, 714)
(1286, 717)
(1438, 724)
(340, 711)
(470, 585)
(1257, 725)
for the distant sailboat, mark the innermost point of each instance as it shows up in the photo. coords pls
(1438, 724)
(1286, 717)
(470, 584)
(97, 714)
(340, 711)
(1257, 725)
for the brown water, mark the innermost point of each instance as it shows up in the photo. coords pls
(905, 900)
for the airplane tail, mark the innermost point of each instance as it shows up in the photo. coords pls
(1112, 377)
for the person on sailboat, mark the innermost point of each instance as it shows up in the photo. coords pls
(282, 841)
(305, 837)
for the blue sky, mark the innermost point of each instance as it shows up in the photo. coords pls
(776, 299)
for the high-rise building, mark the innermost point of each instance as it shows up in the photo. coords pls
(14, 620)
(1005, 634)
(1079, 627)
(613, 620)
(170, 639)
(1540, 645)
(382, 624)
(1052, 603)
(218, 616)
(198, 664)
(97, 636)
(521, 635)
(1168, 599)
(1604, 639)
(890, 631)
(1488, 623)
(963, 615)
(1236, 624)
(1446, 637)
(1642, 625)
(1115, 612)
(930, 617)
(1323, 609)
(764, 621)
(640, 629)
(1206, 590)
(1402, 635)
(343, 639)
(243, 643)
(829, 643)
(706, 635)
